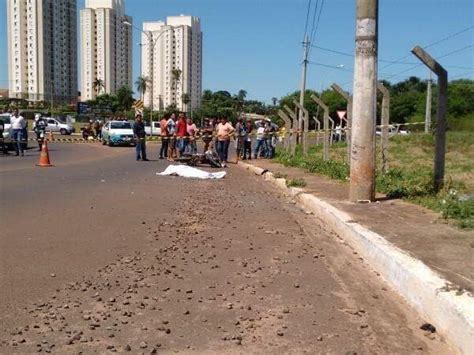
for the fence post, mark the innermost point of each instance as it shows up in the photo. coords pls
(385, 124)
(317, 128)
(326, 124)
(295, 132)
(305, 125)
(440, 136)
(287, 139)
(348, 98)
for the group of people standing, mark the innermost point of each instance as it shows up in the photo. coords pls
(19, 127)
(179, 136)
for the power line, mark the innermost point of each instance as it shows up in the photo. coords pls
(448, 37)
(456, 51)
(315, 30)
(307, 18)
(330, 66)
(442, 56)
(463, 74)
(432, 44)
(346, 54)
(314, 20)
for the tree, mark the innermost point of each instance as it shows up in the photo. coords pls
(176, 76)
(125, 98)
(241, 95)
(142, 84)
(98, 85)
(274, 101)
(186, 99)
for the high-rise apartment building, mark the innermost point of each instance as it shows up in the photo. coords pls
(106, 48)
(172, 61)
(42, 50)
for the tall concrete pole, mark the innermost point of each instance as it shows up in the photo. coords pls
(385, 122)
(362, 178)
(440, 136)
(303, 81)
(428, 107)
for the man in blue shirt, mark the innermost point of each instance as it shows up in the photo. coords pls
(139, 135)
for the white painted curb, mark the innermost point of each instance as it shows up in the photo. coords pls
(452, 315)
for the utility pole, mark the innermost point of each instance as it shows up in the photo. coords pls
(440, 136)
(428, 107)
(303, 80)
(364, 109)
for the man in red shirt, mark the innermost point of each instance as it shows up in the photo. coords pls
(181, 134)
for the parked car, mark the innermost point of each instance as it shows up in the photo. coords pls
(392, 131)
(55, 125)
(117, 132)
(156, 129)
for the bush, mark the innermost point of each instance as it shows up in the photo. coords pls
(398, 183)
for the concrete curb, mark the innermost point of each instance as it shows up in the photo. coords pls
(423, 288)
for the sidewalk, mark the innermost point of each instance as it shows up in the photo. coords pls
(414, 229)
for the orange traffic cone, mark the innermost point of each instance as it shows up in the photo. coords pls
(44, 156)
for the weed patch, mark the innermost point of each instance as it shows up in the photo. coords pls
(298, 182)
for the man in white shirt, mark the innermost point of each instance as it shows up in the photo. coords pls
(18, 125)
(260, 148)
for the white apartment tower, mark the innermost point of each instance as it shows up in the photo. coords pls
(42, 50)
(106, 48)
(171, 48)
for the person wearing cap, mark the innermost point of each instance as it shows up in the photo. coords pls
(139, 135)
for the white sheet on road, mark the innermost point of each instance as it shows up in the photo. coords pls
(190, 172)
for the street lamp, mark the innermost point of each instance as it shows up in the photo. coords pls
(153, 43)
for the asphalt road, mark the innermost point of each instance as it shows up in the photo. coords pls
(98, 254)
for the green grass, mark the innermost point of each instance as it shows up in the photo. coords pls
(410, 172)
(298, 182)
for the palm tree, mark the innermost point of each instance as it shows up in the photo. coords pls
(240, 99)
(176, 76)
(186, 99)
(241, 95)
(274, 100)
(142, 85)
(98, 85)
(124, 97)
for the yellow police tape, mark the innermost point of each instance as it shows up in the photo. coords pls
(282, 133)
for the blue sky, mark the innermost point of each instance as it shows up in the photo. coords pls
(255, 45)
